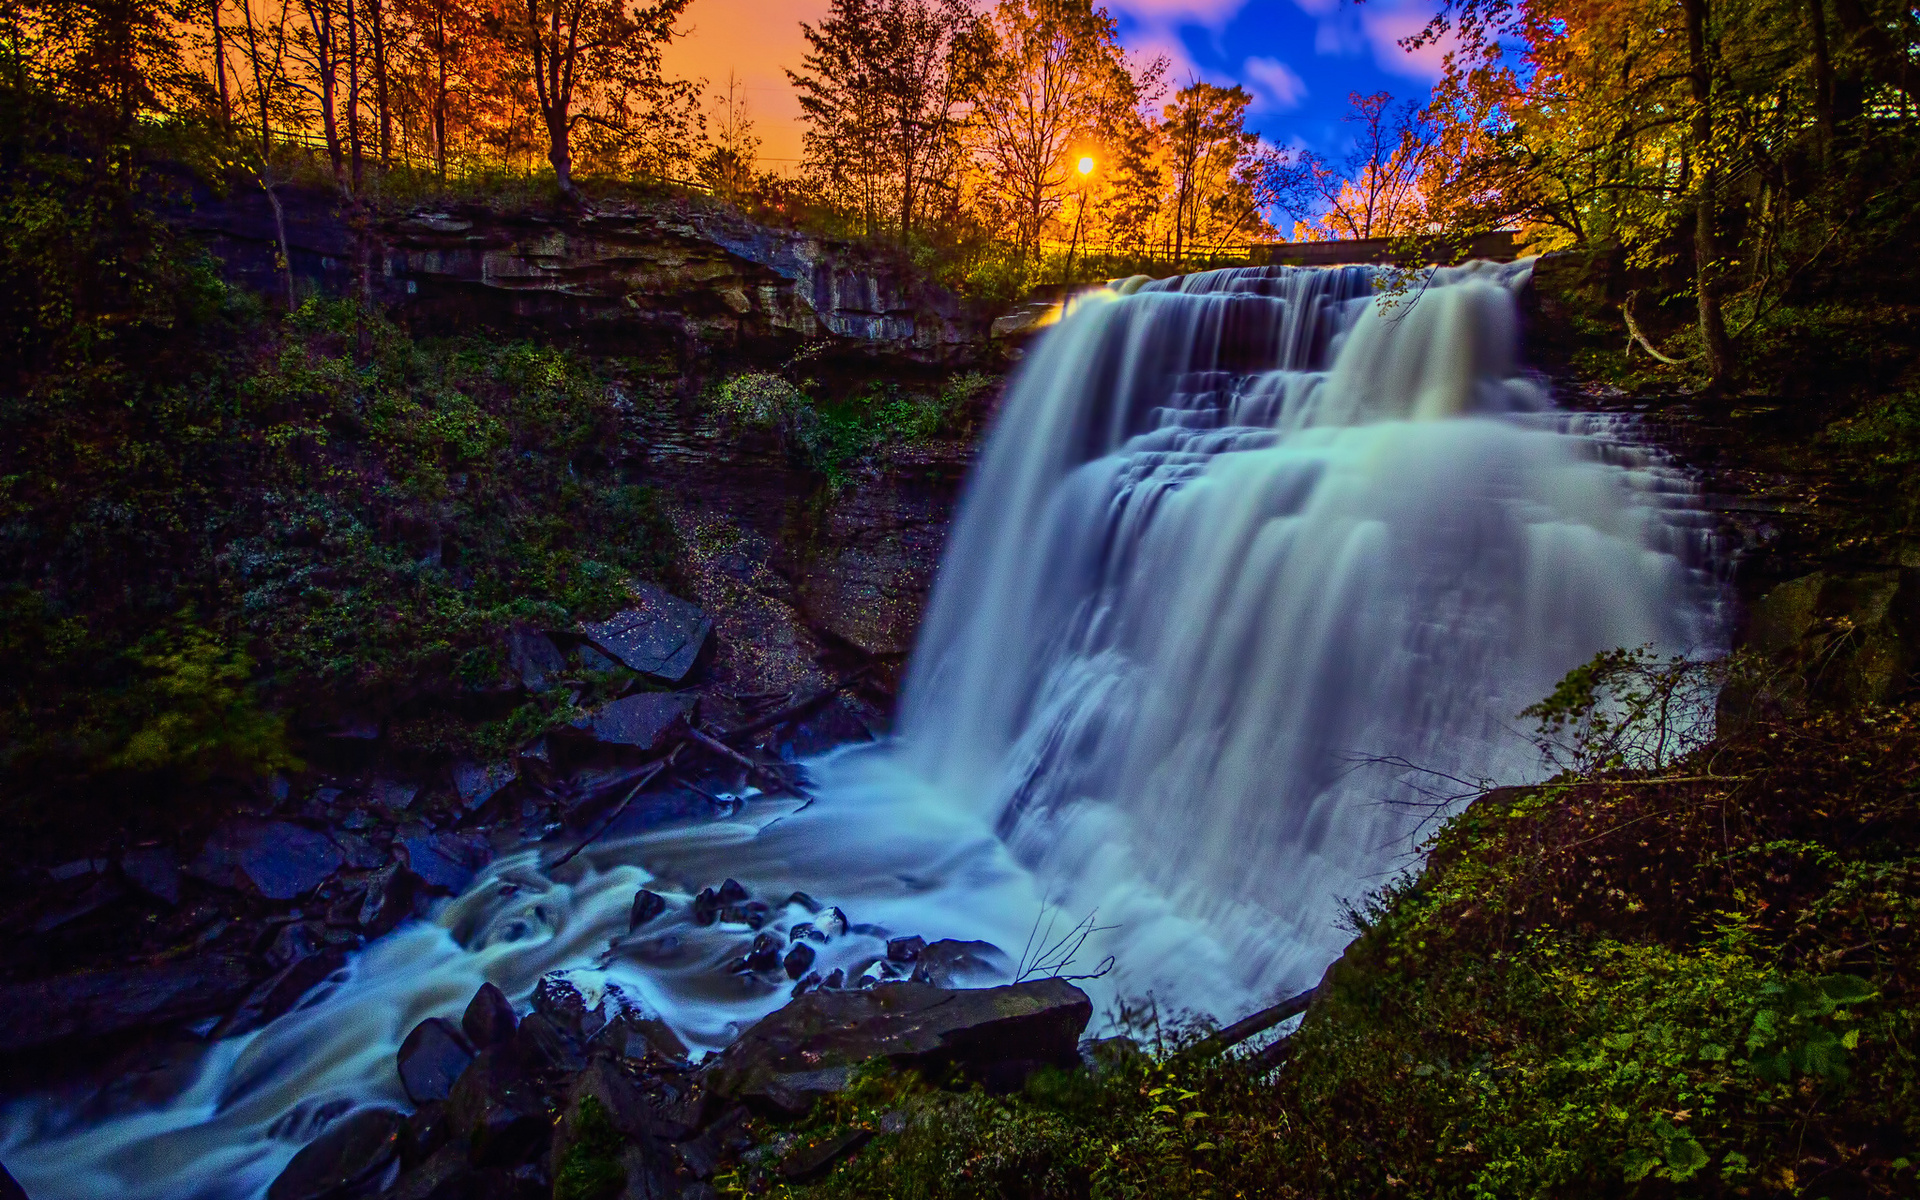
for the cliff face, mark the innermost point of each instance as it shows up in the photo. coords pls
(616, 279)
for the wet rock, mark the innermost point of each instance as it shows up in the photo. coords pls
(545, 1047)
(293, 942)
(811, 1158)
(98, 892)
(532, 657)
(489, 1019)
(646, 721)
(753, 914)
(731, 892)
(428, 1129)
(633, 1035)
(906, 949)
(706, 907)
(388, 899)
(446, 1174)
(661, 636)
(154, 870)
(805, 901)
(953, 964)
(799, 960)
(477, 784)
(361, 854)
(806, 931)
(432, 1057)
(996, 1035)
(835, 979)
(559, 1001)
(765, 955)
(391, 796)
(274, 859)
(445, 861)
(353, 1151)
(281, 992)
(496, 1110)
(832, 923)
(646, 906)
(10, 1189)
(98, 1003)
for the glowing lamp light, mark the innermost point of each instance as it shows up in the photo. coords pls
(1086, 165)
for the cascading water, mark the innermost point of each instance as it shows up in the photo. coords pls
(1244, 549)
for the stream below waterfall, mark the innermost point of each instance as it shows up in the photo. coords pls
(1247, 555)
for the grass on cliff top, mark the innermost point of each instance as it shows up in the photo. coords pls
(1700, 980)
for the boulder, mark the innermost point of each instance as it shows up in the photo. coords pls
(443, 1175)
(388, 900)
(489, 1019)
(646, 720)
(154, 870)
(391, 796)
(646, 906)
(995, 1035)
(445, 861)
(98, 1003)
(496, 1110)
(799, 960)
(608, 1131)
(281, 992)
(661, 636)
(432, 1057)
(10, 1189)
(811, 1157)
(428, 1129)
(293, 942)
(545, 1047)
(765, 954)
(477, 783)
(532, 657)
(274, 859)
(906, 949)
(350, 1153)
(951, 964)
(636, 1035)
(559, 1001)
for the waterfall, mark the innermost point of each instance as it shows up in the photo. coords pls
(1251, 560)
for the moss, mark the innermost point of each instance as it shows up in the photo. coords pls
(591, 1168)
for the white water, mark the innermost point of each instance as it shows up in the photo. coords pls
(1232, 540)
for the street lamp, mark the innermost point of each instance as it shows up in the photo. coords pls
(1085, 167)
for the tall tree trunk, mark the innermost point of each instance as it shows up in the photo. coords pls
(353, 90)
(440, 89)
(1706, 249)
(1822, 76)
(382, 111)
(220, 68)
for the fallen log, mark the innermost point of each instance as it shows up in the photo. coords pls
(1247, 1027)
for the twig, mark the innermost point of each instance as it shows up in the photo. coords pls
(653, 769)
(764, 773)
(783, 715)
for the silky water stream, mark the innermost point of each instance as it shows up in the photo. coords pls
(1237, 542)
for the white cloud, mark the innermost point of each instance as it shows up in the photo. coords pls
(1172, 13)
(1275, 85)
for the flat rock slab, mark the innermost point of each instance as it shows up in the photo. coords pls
(446, 861)
(660, 636)
(995, 1034)
(644, 720)
(275, 859)
(350, 1152)
(97, 1003)
(477, 782)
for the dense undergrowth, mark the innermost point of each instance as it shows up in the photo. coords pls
(1695, 980)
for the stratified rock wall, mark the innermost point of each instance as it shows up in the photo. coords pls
(618, 277)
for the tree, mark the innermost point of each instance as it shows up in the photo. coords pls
(728, 166)
(880, 89)
(1378, 190)
(591, 61)
(1055, 85)
(1211, 166)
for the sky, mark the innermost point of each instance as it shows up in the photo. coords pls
(1298, 58)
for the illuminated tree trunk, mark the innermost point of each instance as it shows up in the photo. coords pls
(1706, 250)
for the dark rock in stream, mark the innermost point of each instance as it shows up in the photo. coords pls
(646, 906)
(446, 861)
(432, 1058)
(274, 859)
(352, 1152)
(799, 960)
(661, 636)
(388, 900)
(98, 1003)
(489, 1019)
(995, 1035)
(951, 964)
(281, 992)
(906, 949)
(477, 784)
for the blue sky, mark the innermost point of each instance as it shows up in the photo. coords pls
(1299, 58)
